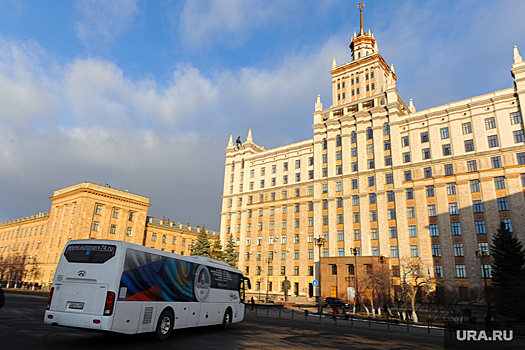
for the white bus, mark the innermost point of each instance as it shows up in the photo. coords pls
(127, 288)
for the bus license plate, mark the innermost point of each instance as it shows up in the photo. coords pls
(78, 306)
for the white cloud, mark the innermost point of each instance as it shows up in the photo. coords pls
(102, 21)
(205, 22)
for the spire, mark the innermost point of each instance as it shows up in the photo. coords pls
(369, 32)
(318, 104)
(517, 57)
(411, 107)
(360, 6)
(249, 138)
(392, 68)
(230, 143)
(334, 64)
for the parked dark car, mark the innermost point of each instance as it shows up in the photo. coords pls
(330, 302)
(2, 297)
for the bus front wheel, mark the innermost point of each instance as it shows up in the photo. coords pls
(164, 325)
(227, 319)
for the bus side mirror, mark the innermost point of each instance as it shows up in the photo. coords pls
(248, 283)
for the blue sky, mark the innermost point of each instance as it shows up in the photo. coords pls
(144, 95)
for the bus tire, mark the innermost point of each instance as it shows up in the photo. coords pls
(164, 325)
(227, 319)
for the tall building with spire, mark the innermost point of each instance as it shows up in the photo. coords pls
(379, 176)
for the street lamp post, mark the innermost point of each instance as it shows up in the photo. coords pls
(355, 251)
(319, 242)
(268, 262)
(480, 254)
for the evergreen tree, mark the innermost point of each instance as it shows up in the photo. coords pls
(508, 275)
(508, 257)
(216, 249)
(202, 246)
(229, 255)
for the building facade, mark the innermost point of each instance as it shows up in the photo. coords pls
(30, 247)
(378, 175)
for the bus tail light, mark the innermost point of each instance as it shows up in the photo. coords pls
(49, 298)
(110, 304)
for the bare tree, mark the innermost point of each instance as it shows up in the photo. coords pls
(416, 283)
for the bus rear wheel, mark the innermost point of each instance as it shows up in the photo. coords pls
(164, 325)
(227, 319)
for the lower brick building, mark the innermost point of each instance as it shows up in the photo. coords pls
(30, 247)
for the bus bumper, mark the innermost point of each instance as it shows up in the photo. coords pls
(68, 319)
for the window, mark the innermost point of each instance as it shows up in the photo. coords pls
(391, 214)
(283, 239)
(355, 200)
(324, 188)
(451, 188)
(284, 224)
(503, 204)
(374, 234)
(98, 210)
(285, 166)
(449, 169)
(411, 212)
(438, 271)
(339, 170)
(153, 237)
(372, 198)
(339, 202)
(310, 206)
(424, 137)
(386, 145)
(386, 129)
(521, 158)
(353, 137)
(412, 231)
(354, 166)
(283, 270)
(427, 172)
(496, 162)
(429, 191)
(325, 158)
(392, 232)
(434, 230)
(436, 250)
(325, 220)
(296, 238)
(490, 123)
(414, 251)
(285, 179)
(507, 223)
(404, 141)
(373, 215)
(340, 236)
(338, 141)
(354, 184)
(522, 180)
(467, 129)
(325, 253)
(324, 172)
(96, 226)
(129, 231)
(426, 153)
(477, 206)
(499, 182)
(369, 134)
(338, 186)
(469, 145)
(375, 252)
(455, 228)
(357, 235)
(453, 208)
(515, 118)
(519, 136)
(252, 173)
(371, 181)
(297, 192)
(406, 157)
(284, 194)
(432, 210)
(310, 161)
(444, 133)
(353, 152)
(370, 149)
(338, 155)
(458, 249)
(113, 229)
(480, 227)
(259, 226)
(472, 166)
(355, 217)
(446, 150)
(409, 193)
(116, 213)
(493, 141)
(394, 252)
(474, 186)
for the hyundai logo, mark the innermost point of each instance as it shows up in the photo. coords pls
(81, 273)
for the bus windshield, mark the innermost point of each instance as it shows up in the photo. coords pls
(89, 253)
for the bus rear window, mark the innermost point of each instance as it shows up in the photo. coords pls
(89, 253)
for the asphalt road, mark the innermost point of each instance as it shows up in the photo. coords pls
(22, 327)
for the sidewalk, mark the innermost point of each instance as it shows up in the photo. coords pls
(26, 292)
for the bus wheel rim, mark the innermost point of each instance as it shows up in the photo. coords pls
(165, 325)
